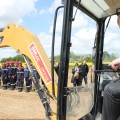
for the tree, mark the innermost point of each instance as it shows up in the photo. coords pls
(79, 58)
(15, 58)
(109, 57)
(57, 58)
(88, 59)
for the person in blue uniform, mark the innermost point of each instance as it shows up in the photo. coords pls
(8, 80)
(15, 72)
(37, 76)
(11, 75)
(4, 74)
(20, 77)
(27, 78)
(0, 71)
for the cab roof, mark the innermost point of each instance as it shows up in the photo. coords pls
(100, 8)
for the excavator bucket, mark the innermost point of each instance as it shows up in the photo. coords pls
(79, 101)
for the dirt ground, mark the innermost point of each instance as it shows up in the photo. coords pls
(22, 105)
(15, 105)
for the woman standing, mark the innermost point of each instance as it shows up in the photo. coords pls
(75, 77)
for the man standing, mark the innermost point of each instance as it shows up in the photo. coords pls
(4, 72)
(37, 76)
(11, 74)
(27, 79)
(20, 77)
(83, 71)
(111, 97)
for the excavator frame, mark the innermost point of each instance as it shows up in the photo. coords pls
(65, 51)
(27, 44)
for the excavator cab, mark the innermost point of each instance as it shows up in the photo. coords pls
(101, 12)
(69, 103)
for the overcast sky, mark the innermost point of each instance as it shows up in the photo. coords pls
(37, 16)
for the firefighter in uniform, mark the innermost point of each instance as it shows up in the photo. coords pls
(0, 74)
(4, 73)
(8, 80)
(37, 76)
(20, 77)
(11, 74)
(27, 79)
(15, 72)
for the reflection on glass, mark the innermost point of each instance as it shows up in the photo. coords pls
(79, 101)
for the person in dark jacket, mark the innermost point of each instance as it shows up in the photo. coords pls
(28, 79)
(111, 96)
(20, 77)
(37, 76)
(11, 74)
(75, 77)
(4, 72)
(83, 71)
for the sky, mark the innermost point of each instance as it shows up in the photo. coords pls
(37, 16)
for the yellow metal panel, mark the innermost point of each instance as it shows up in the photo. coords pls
(28, 43)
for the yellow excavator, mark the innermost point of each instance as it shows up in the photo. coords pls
(27, 44)
(66, 103)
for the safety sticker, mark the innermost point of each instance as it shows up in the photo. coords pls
(40, 63)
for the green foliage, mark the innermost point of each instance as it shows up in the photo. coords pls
(108, 57)
(75, 58)
(57, 58)
(88, 59)
(79, 58)
(15, 58)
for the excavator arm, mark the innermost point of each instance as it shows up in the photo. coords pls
(28, 44)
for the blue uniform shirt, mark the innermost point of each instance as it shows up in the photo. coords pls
(20, 73)
(26, 73)
(36, 73)
(4, 72)
(11, 70)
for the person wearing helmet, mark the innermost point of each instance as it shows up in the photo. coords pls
(20, 77)
(8, 80)
(11, 75)
(15, 72)
(4, 74)
(0, 74)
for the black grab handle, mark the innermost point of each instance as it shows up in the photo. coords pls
(52, 53)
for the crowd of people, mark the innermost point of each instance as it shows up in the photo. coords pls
(14, 74)
(79, 72)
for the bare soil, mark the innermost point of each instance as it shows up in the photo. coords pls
(16, 105)
(22, 105)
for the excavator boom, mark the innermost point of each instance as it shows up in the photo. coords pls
(27, 43)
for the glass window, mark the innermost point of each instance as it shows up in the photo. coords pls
(111, 41)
